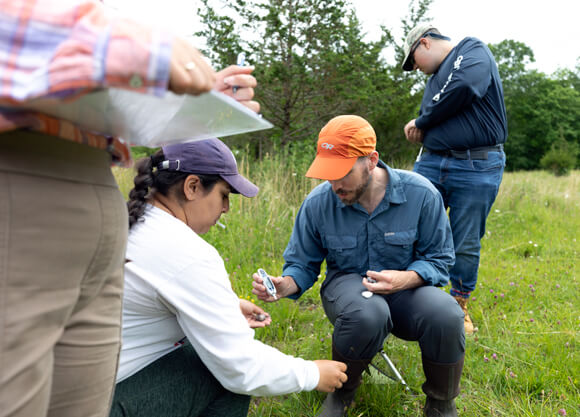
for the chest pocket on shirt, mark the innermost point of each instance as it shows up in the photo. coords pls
(342, 252)
(397, 249)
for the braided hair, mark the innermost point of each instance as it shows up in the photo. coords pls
(150, 180)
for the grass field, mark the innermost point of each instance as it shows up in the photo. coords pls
(524, 361)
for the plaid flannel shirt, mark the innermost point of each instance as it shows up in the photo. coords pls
(66, 48)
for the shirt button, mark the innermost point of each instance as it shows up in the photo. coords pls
(136, 81)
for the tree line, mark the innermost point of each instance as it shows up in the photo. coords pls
(313, 64)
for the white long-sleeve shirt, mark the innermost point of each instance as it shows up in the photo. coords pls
(176, 285)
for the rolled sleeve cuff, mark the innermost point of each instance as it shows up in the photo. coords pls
(158, 74)
(430, 274)
(300, 279)
(138, 58)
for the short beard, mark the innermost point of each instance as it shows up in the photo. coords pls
(360, 190)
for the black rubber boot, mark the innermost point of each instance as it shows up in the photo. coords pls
(440, 408)
(441, 386)
(336, 403)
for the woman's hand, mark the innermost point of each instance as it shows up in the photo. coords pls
(189, 73)
(332, 375)
(242, 80)
(255, 316)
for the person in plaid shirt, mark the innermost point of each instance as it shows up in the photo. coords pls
(63, 221)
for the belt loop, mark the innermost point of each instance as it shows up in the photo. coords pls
(470, 160)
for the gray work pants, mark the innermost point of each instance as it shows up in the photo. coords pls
(424, 314)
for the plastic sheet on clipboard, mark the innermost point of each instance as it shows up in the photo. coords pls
(146, 120)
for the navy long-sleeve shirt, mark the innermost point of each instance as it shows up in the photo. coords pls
(463, 105)
(408, 230)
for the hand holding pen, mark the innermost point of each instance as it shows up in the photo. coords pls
(240, 62)
(236, 81)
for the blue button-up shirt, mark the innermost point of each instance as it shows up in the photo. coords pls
(408, 230)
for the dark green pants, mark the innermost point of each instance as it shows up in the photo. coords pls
(176, 385)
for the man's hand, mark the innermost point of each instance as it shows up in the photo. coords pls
(253, 313)
(240, 77)
(332, 375)
(285, 286)
(189, 73)
(413, 133)
(390, 281)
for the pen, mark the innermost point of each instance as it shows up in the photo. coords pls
(240, 63)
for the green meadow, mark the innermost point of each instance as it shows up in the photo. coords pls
(523, 361)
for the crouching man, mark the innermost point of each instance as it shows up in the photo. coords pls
(372, 221)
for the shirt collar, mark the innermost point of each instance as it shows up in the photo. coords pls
(395, 193)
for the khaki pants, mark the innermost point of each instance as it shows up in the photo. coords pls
(63, 231)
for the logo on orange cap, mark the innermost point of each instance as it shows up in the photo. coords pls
(340, 143)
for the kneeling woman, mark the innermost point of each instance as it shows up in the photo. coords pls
(177, 288)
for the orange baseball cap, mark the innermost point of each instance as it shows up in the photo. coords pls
(340, 143)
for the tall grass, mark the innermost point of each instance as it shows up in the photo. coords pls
(524, 360)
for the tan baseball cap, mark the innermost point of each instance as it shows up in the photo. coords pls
(414, 35)
(340, 143)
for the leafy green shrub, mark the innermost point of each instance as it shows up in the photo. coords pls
(142, 151)
(561, 158)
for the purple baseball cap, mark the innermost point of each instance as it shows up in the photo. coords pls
(209, 156)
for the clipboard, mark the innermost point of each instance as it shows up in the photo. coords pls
(151, 121)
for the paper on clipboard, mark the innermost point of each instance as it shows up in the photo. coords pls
(151, 121)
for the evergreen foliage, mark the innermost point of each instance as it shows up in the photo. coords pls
(313, 63)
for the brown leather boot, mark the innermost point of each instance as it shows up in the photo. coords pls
(441, 386)
(469, 327)
(336, 403)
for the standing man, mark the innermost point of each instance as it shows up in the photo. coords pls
(369, 220)
(462, 125)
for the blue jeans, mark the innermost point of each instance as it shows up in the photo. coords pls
(468, 188)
